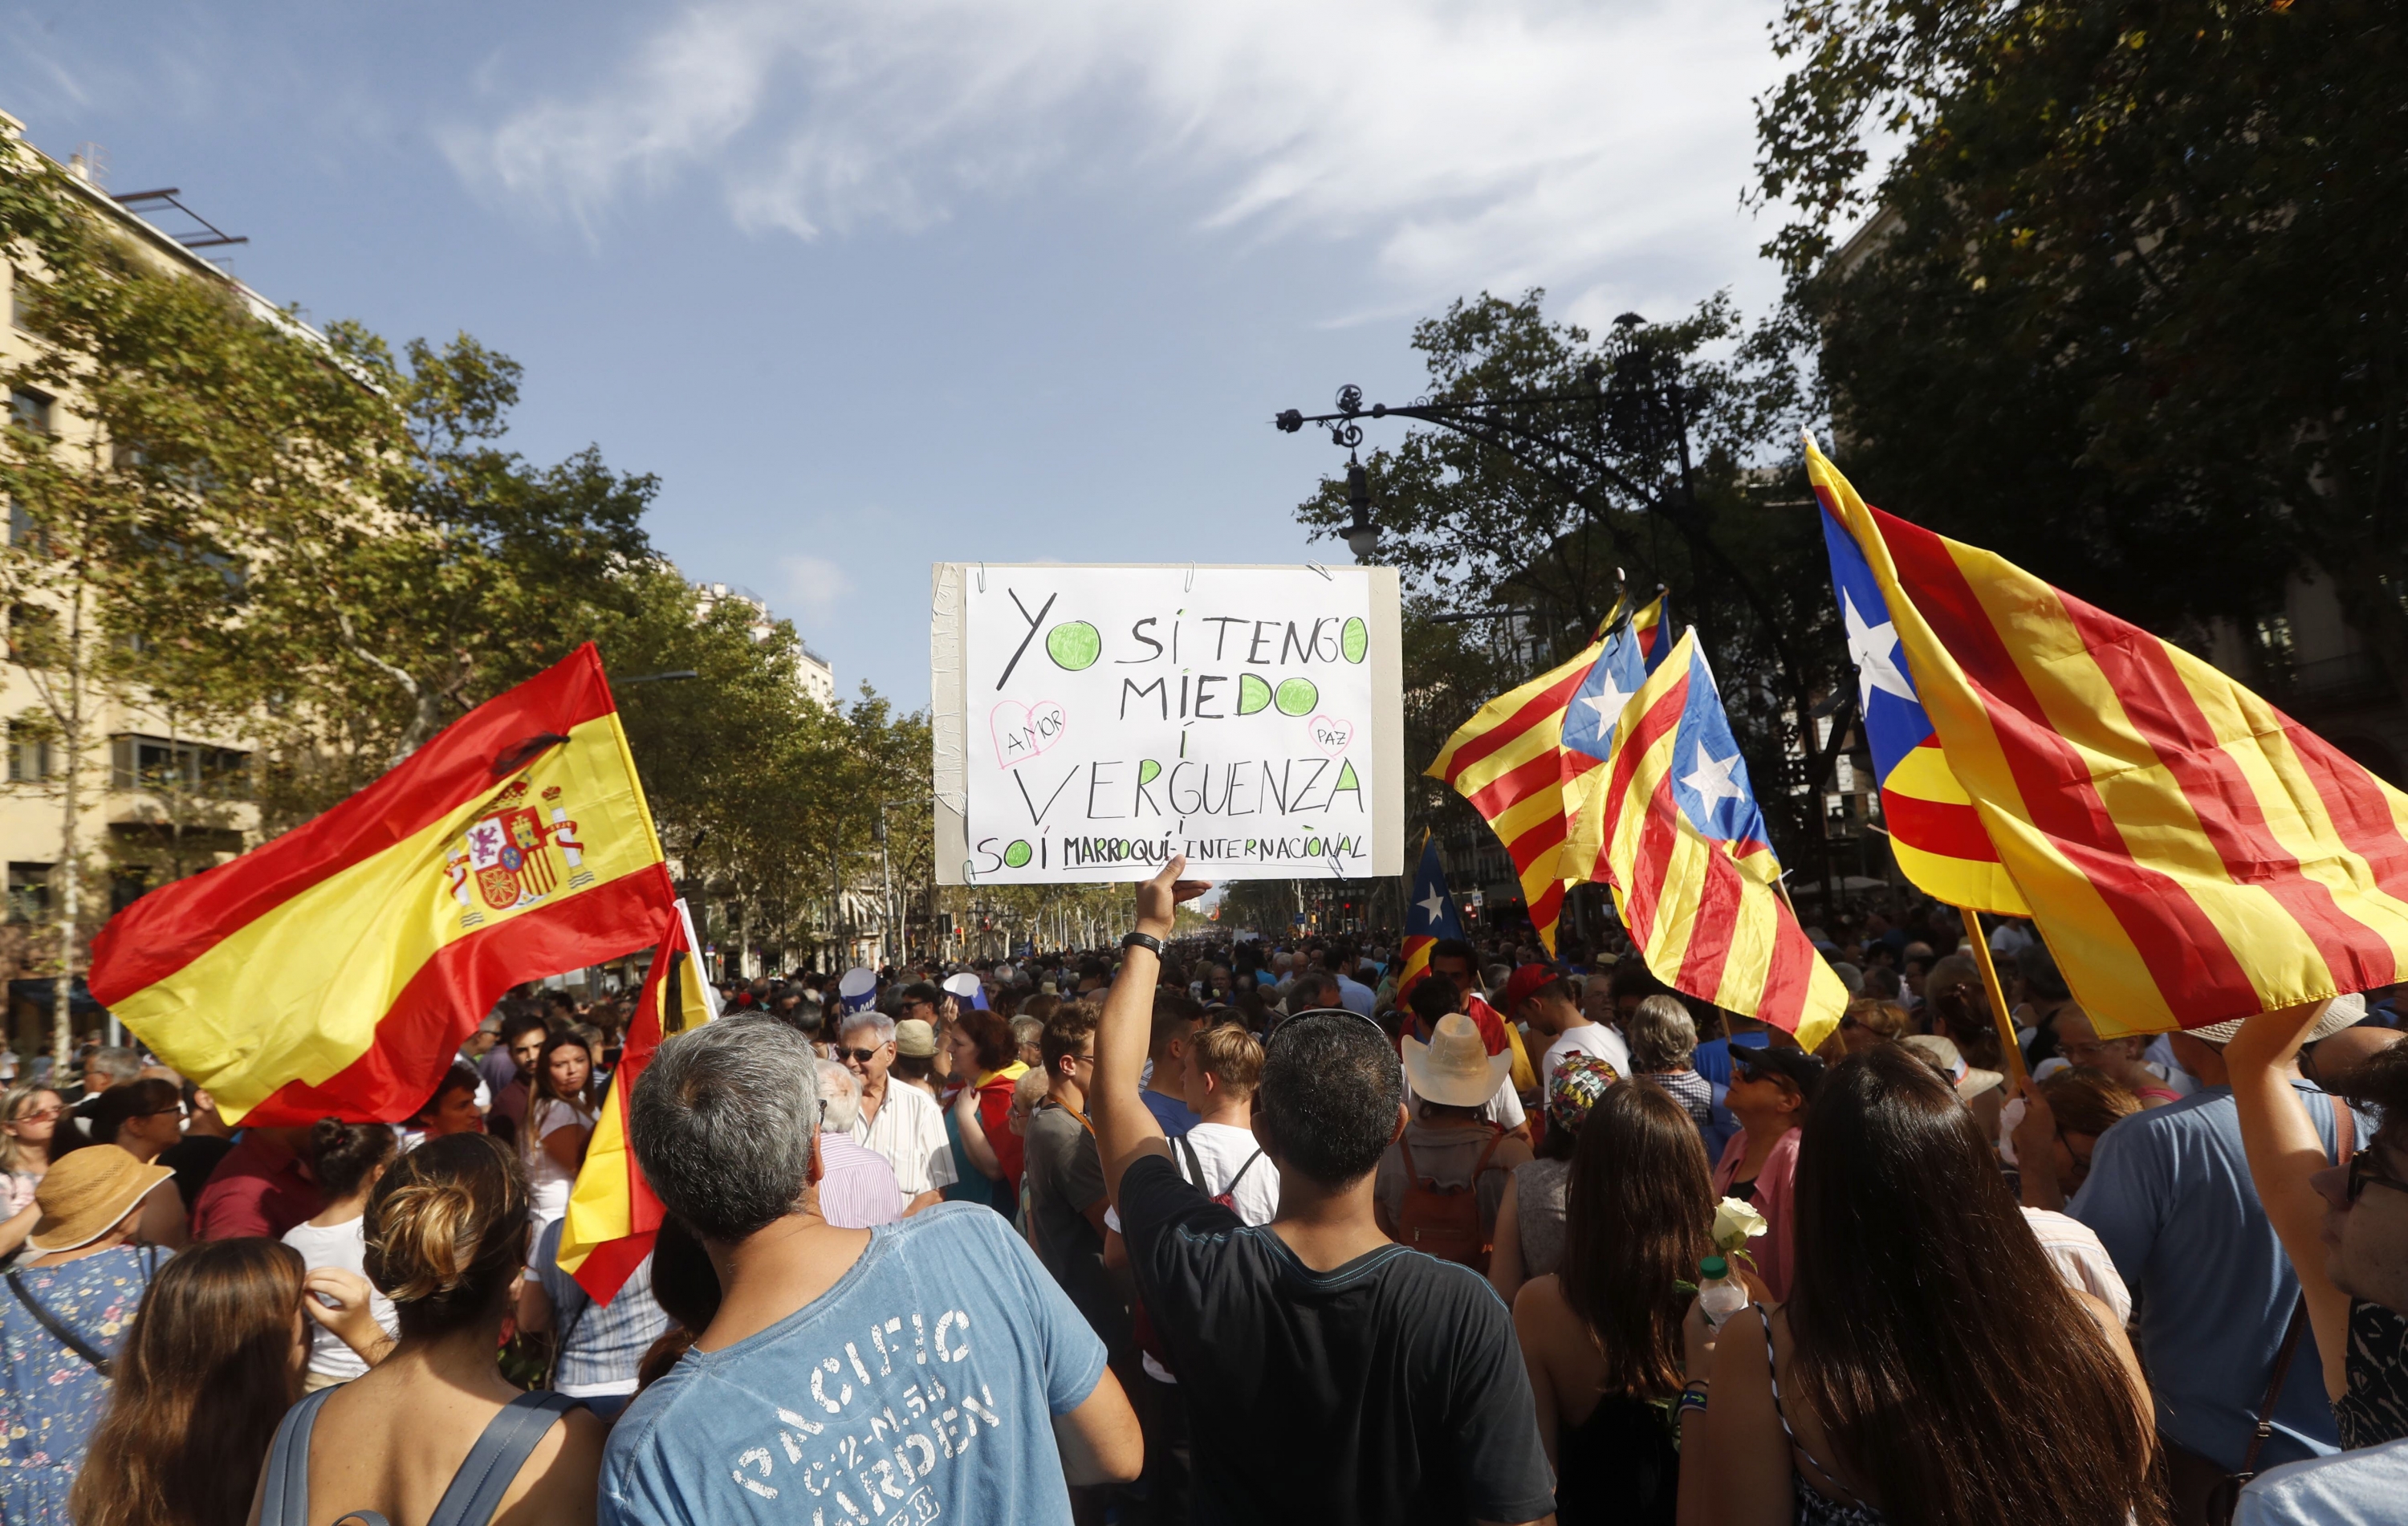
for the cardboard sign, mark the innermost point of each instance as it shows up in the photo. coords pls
(1092, 722)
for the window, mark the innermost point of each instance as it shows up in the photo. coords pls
(29, 892)
(32, 634)
(156, 763)
(29, 756)
(18, 287)
(30, 409)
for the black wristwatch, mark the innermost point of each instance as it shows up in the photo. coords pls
(1143, 940)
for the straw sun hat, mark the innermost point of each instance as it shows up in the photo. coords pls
(1455, 1067)
(87, 1194)
(2339, 1013)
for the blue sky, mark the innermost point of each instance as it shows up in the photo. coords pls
(872, 283)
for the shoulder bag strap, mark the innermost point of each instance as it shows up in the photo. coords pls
(2265, 1426)
(1494, 1140)
(1232, 1188)
(285, 1498)
(560, 1341)
(67, 1337)
(485, 1475)
(1194, 1171)
(2344, 1145)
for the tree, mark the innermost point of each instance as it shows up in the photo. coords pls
(2132, 312)
(463, 570)
(1661, 454)
(155, 419)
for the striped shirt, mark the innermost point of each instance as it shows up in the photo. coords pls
(601, 1343)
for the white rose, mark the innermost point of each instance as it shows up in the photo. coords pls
(1735, 1224)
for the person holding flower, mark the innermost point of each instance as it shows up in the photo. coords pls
(1769, 1090)
(1601, 1336)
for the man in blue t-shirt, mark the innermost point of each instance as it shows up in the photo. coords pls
(2170, 1196)
(2363, 1255)
(926, 1370)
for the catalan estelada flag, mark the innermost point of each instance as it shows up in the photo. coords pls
(1504, 760)
(1691, 864)
(1429, 916)
(1631, 652)
(612, 1214)
(2192, 853)
(1934, 830)
(333, 970)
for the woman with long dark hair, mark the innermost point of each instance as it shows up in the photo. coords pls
(213, 1361)
(1930, 1365)
(1531, 1221)
(561, 1109)
(1602, 1336)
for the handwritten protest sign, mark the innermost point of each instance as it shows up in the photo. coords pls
(1094, 720)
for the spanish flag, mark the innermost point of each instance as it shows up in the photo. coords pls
(1507, 761)
(612, 1214)
(2192, 853)
(1684, 847)
(333, 970)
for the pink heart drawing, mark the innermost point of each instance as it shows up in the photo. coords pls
(1331, 736)
(1022, 731)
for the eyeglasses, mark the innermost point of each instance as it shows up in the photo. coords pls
(860, 1057)
(2363, 1174)
(179, 1110)
(47, 1115)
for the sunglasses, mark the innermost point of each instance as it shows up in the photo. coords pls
(2363, 1174)
(861, 1057)
(47, 1115)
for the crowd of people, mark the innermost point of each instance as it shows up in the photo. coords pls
(1214, 1229)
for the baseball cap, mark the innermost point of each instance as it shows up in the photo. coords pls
(1795, 1066)
(1527, 983)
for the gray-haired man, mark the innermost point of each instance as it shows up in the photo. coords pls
(926, 1370)
(902, 1123)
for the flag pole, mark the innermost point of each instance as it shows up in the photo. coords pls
(2014, 1051)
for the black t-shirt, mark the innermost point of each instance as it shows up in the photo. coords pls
(1389, 1389)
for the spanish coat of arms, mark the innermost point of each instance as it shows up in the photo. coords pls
(504, 860)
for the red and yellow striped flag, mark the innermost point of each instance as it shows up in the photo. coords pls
(2192, 853)
(612, 1214)
(333, 970)
(1507, 761)
(1683, 845)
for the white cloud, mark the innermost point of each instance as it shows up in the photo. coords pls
(1467, 142)
(816, 586)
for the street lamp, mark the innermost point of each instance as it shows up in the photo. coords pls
(1362, 536)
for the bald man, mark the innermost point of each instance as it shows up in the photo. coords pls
(2345, 1051)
